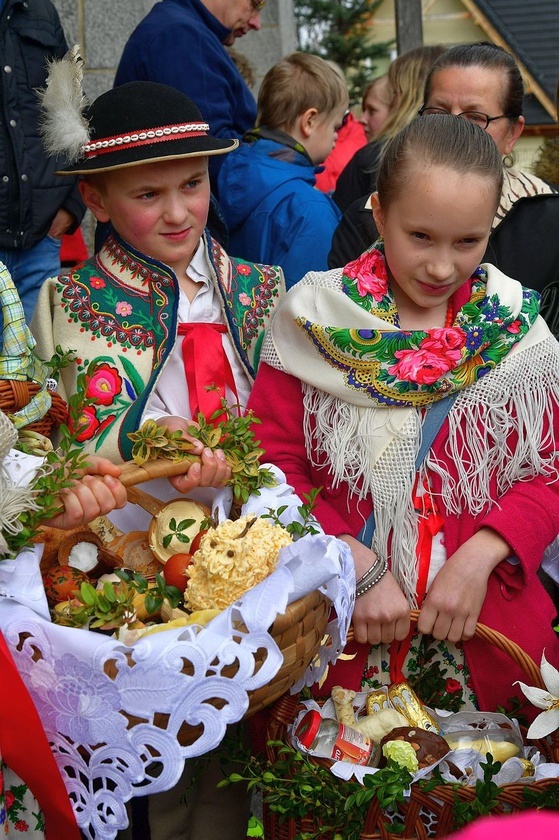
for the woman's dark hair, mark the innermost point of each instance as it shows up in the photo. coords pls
(438, 140)
(492, 57)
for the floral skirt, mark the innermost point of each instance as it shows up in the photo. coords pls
(437, 671)
(20, 814)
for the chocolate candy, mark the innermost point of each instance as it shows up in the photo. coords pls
(429, 746)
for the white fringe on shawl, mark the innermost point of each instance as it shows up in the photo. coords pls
(500, 428)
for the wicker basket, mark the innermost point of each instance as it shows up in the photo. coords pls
(425, 814)
(24, 395)
(298, 633)
(15, 395)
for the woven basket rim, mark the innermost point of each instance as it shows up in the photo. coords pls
(512, 649)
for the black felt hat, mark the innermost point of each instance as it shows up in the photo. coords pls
(144, 122)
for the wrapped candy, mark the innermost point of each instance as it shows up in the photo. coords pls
(377, 699)
(405, 700)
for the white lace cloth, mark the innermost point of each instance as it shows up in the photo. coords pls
(98, 699)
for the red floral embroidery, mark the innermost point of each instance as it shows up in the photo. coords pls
(244, 269)
(452, 686)
(21, 825)
(87, 422)
(97, 283)
(104, 384)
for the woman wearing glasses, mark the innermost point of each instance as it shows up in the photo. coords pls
(482, 83)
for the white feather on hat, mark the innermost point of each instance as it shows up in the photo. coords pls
(64, 129)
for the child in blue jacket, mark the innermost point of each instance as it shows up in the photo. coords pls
(267, 186)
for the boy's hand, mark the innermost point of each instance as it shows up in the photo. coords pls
(98, 492)
(213, 471)
(454, 601)
(382, 614)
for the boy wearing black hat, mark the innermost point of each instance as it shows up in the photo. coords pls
(158, 277)
(157, 316)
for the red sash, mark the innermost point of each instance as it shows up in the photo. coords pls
(207, 368)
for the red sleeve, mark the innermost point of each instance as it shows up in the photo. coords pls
(276, 399)
(527, 517)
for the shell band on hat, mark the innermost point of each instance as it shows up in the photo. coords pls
(151, 135)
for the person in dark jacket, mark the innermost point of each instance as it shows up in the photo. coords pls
(36, 207)
(267, 189)
(182, 43)
(406, 79)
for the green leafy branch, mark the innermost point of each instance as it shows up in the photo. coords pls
(113, 605)
(234, 436)
(60, 360)
(61, 467)
(101, 609)
(294, 783)
(486, 798)
(157, 591)
(309, 523)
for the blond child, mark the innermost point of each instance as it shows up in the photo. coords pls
(267, 187)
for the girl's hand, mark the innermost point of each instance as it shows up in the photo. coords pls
(98, 492)
(213, 471)
(454, 601)
(382, 614)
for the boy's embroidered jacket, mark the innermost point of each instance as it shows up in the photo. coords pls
(118, 312)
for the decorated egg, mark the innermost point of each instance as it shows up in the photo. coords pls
(61, 581)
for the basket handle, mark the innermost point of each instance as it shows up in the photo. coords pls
(133, 473)
(482, 631)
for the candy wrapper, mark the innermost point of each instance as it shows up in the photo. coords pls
(404, 699)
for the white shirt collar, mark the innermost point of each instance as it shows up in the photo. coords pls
(199, 270)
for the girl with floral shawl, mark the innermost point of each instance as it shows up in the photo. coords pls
(354, 361)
